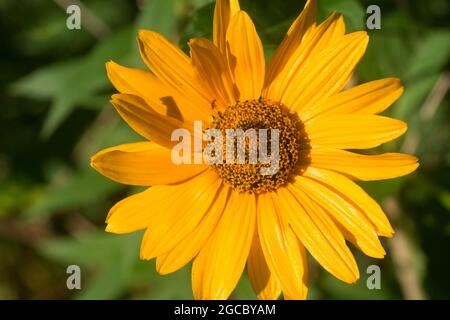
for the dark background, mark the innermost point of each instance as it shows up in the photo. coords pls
(55, 113)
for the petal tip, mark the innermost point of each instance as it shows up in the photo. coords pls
(93, 164)
(388, 233)
(143, 32)
(110, 228)
(94, 161)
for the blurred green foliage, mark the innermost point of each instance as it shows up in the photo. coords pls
(56, 114)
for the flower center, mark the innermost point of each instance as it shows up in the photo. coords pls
(280, 137)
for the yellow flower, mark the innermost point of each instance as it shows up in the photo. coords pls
(224, 217)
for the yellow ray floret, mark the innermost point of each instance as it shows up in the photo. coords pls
(229, 217)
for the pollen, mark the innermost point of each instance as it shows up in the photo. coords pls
(293, 145)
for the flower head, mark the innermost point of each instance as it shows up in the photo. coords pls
(228, 216)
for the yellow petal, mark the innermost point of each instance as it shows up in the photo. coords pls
(213, 70)
(263, 281)
(364, 167)
(141, 210)
(333, 33)
(142, 164)
(145, 120)
(353, 131)
(223, 12)
(301, 254)
(312, 44)
(245, 56)
(188, 248)
(137, 82)
(162, 97)
(281, 249)
(326, 73)
(360, 230)
(369, 98)
(355, 195)
(306, 19)
(219, 265)
(175, 225)
(318, 233)
(174, 68)
(132, 213)
(304, 23)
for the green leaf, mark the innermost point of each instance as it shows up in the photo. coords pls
(430, 56)
(200, 25)
(157, 15)
(110, 264)
(198, 3)
(71, 84)
(414, 96)
(444, 198)
(352, 10)
(174, 286)
(81, 189)
(381, 190)
(95, 248)
(390, 49)
(16, 195)
(112, 255)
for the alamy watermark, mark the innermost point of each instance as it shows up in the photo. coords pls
(374, 19)
(374, 280)
(74, 279)
(241, 147)
(73, 21)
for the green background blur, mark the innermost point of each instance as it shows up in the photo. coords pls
(55, 113)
